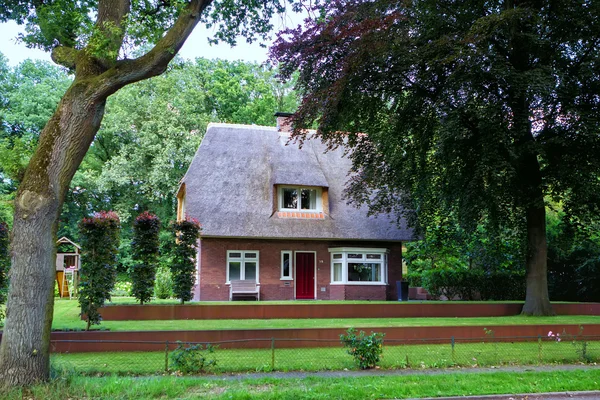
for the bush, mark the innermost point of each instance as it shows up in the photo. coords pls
(163, 285)
(415, 279)
(99, 236)
(366, 350)
(121, 288)
(146, 228)
(186, 234)
(191, 359)
(470, 284)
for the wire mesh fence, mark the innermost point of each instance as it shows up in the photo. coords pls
(272, 354)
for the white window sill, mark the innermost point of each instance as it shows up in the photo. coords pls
(229, 283)
(286, 279)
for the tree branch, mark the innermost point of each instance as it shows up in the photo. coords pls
(154, 62)
(109, 31)
(65, 56)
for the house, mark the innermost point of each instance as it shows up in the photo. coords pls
(274, 213)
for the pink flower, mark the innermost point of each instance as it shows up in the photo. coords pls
(549, 333)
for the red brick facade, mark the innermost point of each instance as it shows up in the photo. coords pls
(213, 265)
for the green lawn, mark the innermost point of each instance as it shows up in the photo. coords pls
(411, 386)
(66, 316)
(464, 355)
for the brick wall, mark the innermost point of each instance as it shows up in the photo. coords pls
(214, 263)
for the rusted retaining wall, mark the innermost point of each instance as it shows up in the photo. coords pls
(103, 341)
(323, 310)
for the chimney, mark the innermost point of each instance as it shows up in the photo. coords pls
(283, 125)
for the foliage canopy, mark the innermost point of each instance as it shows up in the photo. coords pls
(474, 112)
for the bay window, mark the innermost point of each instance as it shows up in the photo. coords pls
(358, 266)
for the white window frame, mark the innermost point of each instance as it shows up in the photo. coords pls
(291, 272)
(344, 260)
(243, 260)
(319, 201)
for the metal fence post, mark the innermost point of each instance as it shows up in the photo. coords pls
(453, 353)
(167, 356)
(272, 354)
(539, 349)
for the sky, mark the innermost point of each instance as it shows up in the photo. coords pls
(196, 45)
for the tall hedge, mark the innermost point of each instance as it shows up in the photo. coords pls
(99, 238)
(144, 246)
(186, 235)
(470, 284)
(4, 263)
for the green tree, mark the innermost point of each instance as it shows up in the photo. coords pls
(185, 236)
(480, 109)
(99, 237)
(29, 95)
(146, 228)
(93, 40)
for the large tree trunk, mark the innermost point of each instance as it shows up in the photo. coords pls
(24, 351)
(537, 301)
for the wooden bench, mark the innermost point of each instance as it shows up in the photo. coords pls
(244, 288)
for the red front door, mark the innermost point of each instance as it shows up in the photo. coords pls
(305, 275)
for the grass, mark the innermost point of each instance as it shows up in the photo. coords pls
(418, 356)
(411, 386)
(66, 316)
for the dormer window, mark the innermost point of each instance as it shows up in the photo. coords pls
(299, 198)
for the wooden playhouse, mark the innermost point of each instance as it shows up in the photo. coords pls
(68, 263)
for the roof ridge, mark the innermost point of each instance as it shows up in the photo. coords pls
(309, 132)
(239, 126)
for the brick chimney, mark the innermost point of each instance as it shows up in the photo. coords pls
(283, 124)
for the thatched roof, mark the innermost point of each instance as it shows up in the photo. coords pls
(230, 183)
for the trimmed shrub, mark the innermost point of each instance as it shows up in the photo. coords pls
(163, 285)
(470, 284)
(186, 235)
(99, 237)
(365, 349)
(144, 245)
(4, 263)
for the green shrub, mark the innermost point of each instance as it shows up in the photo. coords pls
(144, 246)
(163, 284)
(191, 359)
(365, 349)
(415, 279)
(99, 236)
(470, 284)
(121, 288)
(186, 234)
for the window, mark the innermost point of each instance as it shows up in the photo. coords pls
(358, 266)
(242, 265)
(297, 198)
(286, 265)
